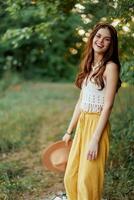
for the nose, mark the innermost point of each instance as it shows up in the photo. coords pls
(100, 40)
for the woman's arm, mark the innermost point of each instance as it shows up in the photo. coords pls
(67, 137)
(76, 115)
(112, 75)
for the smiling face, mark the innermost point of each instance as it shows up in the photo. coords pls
(101, 41)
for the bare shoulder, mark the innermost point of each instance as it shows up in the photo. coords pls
(111, 69)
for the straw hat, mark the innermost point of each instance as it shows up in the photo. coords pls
(55, 156)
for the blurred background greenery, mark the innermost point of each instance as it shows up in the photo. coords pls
(40, 43)
(44, 39)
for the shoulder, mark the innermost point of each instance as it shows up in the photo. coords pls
(111, 69)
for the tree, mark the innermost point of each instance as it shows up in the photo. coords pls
(46, 38)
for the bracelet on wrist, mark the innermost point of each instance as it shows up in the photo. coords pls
(68, 133)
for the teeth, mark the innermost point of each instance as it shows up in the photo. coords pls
(99, 46)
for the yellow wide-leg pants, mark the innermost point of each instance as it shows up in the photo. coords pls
(83, 179)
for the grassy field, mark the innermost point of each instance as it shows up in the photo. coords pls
(33, 115)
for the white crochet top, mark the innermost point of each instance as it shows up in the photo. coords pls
(92, 98)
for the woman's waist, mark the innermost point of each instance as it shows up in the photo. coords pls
(93, 115)
(91, 107)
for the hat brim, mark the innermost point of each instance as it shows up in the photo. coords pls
(46, 154)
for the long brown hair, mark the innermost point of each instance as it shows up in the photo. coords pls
(88, 55)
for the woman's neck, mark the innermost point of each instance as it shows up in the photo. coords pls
(97, 58)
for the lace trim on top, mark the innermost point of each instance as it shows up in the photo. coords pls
(88, 107)
(92, 98)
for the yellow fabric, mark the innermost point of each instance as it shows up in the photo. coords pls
(84, 179)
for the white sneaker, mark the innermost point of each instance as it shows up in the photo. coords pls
(60, 198)
(57, 198)
(64, 198)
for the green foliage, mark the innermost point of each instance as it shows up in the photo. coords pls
(128, 72)
(120, 167)
(39, 40)
(38, 35)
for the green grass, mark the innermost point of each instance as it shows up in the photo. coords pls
(119, 175)
(32, 115)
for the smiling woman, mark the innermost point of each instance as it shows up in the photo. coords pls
(100, 49)
(99, 82)
(101, 40)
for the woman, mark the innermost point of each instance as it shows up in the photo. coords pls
(99, 81)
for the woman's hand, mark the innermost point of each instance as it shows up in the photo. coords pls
(66, 138)
(92, 149)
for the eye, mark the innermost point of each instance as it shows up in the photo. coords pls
(107, 39)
